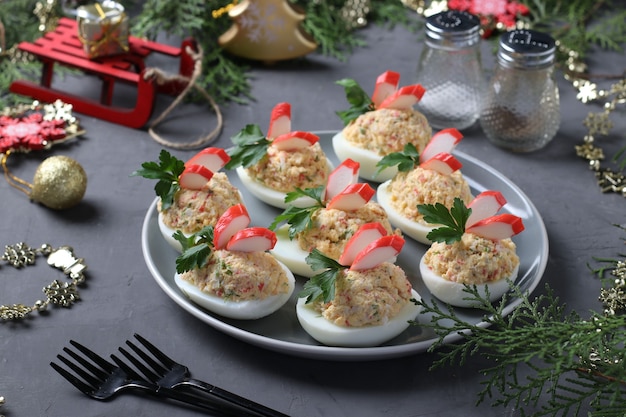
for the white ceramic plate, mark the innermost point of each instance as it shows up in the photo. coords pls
(281, 331)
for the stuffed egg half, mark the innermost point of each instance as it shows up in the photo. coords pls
(370, 308)
(490, 265)
(377, 133)
(255, 286)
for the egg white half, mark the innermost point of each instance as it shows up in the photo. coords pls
(167, 233)
(331, 334)
(289, 253)
(241, 310)
(411, 228)
(368, 159)
(270, 196)
(452, 292)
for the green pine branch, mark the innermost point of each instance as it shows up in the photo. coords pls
(544, 360)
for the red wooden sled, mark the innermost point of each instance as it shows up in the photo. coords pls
(63, 46)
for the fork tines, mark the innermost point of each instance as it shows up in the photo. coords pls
(92, 375)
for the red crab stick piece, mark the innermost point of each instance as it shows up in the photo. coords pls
(252, 239)
(280, 120)
(485, 204)
(235, 218)
(210, 158)
(345, 174)
(366, 234)
(377, 252)
(194, 177)
(294, 140)
(352, 198)
(498, 227)
(404, 98)
(386, 85)
(443, 162)
(443, 141)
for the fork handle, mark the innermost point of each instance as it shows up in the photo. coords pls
(232, 398)
(196, 401)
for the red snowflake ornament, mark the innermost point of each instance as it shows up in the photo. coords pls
(29, 133)
(36, 127)
(493, 14)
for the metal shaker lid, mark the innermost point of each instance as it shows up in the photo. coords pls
(525, 48)
(452, 29)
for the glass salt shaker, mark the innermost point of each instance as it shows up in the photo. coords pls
(450, 70)
(521, 109)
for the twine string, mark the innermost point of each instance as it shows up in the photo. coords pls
(14, 181)
(160, 77)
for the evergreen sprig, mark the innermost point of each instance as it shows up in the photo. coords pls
(572, 364)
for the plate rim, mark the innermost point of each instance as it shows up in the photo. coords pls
(332, 352)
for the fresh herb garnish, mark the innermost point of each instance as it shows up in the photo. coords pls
(321, 285)
(299, 218)
(406, 160)
(360, 101)
(250, 147)
(167, 171)
(196, 249)
(453, 220)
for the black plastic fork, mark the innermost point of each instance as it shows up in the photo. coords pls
(100, 379)
(165, 372)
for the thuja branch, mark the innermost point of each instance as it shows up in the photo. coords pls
(543, 358)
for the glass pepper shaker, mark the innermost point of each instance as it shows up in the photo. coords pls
(521, 109)
(449, 68)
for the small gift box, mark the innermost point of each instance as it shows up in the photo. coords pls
(103, 29)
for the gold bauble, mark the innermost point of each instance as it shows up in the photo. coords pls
(59, 183)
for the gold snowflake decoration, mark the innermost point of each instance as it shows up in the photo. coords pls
(598, 123)
(587, 92)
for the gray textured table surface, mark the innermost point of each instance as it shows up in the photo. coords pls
(122, 298)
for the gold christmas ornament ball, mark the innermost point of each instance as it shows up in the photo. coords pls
(59, 183)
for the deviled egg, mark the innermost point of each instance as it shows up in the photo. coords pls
(401, 196)
(239, 285)
(386, 126)
(272, 165)
(490, 265)
(228, 270)
(372, 300)
(477, 250)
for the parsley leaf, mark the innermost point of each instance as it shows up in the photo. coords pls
(196, 249)
(166, 171)
(299, 218)
(453, 220)
(360, 101)
(322, 284)
(406, 160)
(250, 147)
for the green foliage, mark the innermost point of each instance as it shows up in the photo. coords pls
(321, 285)
(571, 364)
(360, 102)
(197, 249)
(406, 160)
(453, 220)
(166, 171)
(250, 147)
(580, 24)
(299, 219)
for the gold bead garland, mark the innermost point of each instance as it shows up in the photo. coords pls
(62, 294)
